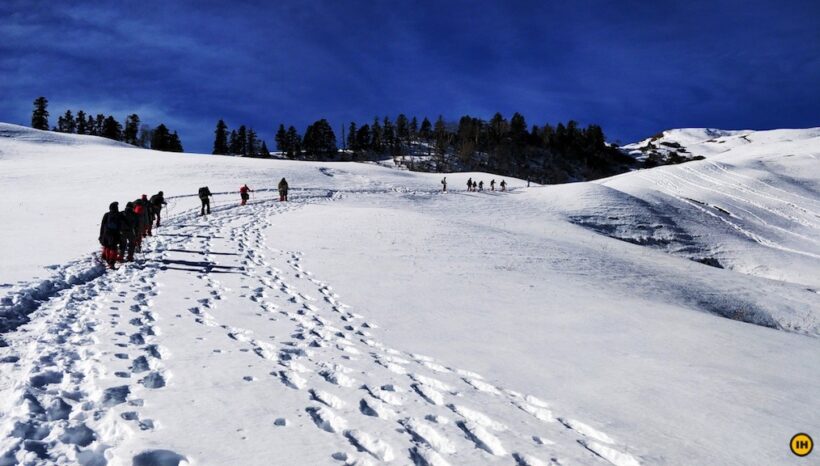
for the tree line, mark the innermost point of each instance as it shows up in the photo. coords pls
(546, 154)
(134, 132)
(242, 142)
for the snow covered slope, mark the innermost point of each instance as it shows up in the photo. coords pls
(374, 319)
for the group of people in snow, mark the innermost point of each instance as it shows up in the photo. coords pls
(122, 232)
(472, 186)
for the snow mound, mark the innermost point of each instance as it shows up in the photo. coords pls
(23, 134)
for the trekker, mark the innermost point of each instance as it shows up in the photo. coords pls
(503, 185)
(204, 197)
(157, 201)
(481, 185)
(243, 193)
(110, 234)
(139, 210)
(147, 215)
(469, 184)
(444, 184)
(128, 243)
(492, 184)
(283, 190)
(475, 186)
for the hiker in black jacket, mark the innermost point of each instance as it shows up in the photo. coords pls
(111, 234)
(204, 197)
(157, 201)
(131, 223)
(283, 190)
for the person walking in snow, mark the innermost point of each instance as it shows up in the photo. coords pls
(492, 184)
(157, 201)
(481, 185)
(142, 225)
(503, 185)
(283, 190)
(243, 193)
(475, 186)
(469, 184)
(205, 198)
(444, 184)
(111, 234)
(130, 232)
(146, 210)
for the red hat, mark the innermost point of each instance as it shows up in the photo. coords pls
(144, 197)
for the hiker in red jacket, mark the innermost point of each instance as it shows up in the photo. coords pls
(243, 193)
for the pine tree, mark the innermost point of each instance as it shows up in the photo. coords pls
(174, 144)
(39, 117)
(263, 150)
(442, 141)
(67, 124)
(294, 143)
(363, 138)
(91, 126)
(402, 129)
(242, 141)
(252, 144)
(281, 139)
(234, 147)
(426, 133)
(376, 136)
(99, 124)
(160, 140)
(221, 138)
(82, 123)
(518, 131)
(413, 130)
(130, 133)
(351, 138)
(111, 129)
(389, 137)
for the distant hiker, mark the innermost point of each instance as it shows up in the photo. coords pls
(142, 223)
(147, 213)
(528, 181)
(204, 197)
(283, 190)
(475, 186)
(492, 184)
(481, 185)
(130, 233)
(444, 184)
(157, 201)
(110, 234)
(243, 193)
(503, 185)
(469, 184)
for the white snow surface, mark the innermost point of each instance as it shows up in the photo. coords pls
(373, 319)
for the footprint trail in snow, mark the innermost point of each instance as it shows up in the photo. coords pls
(220, 337)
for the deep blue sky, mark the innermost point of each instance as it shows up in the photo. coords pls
(634, 67)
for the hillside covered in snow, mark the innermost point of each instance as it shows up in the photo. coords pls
(663, 316)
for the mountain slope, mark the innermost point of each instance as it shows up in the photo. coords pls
(375, 319)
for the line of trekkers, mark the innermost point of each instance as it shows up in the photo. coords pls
(122, 232)
(472, 186)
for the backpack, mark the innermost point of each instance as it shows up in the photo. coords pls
(138, 209)
(112, 223)
(203, 192)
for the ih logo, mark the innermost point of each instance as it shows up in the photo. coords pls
(801, 444)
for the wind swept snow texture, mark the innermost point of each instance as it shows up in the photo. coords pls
(374, 319)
